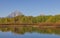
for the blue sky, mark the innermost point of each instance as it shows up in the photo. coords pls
(30, 7)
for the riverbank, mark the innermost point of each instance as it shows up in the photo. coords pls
(40, 24)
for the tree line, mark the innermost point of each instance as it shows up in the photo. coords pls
(30, 19)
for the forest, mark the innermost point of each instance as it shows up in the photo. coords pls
(22, 19)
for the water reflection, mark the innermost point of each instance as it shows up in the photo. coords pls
(30, 29)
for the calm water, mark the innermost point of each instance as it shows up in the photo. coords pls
(29, 32)
(27, 35)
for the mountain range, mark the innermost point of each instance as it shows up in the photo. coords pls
(15, 13)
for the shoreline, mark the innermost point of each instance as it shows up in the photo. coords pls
(32, 24)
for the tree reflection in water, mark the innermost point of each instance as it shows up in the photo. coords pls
(30, 29)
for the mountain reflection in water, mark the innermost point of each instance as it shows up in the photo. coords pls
(30, 29)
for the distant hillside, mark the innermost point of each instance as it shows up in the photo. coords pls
(19, 18)
(15, 13)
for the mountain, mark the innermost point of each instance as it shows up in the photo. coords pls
(15, 13)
